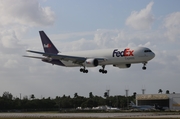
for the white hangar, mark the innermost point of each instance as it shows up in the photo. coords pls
(170, 101)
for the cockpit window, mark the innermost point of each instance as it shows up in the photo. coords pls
(147, 51)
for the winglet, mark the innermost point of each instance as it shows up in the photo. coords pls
(47, 44)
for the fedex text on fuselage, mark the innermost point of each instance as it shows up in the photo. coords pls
(126, 52)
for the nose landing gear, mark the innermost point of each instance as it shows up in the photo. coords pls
(144, 66)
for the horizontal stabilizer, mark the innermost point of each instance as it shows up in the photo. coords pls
(34, 57)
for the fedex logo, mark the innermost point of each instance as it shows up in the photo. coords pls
(126, 52)
(47, 45)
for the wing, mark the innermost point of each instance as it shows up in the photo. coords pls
(74, 59)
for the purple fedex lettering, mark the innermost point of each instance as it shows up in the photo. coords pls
(126, 52)
(118, 53)
(114, 52)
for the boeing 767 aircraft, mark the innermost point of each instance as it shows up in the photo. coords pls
(118, 57)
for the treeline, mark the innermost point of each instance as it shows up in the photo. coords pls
(10, 103)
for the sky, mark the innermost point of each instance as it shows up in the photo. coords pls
(87, 25)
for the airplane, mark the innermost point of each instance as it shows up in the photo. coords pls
(142, 107)
(161, 108)
(118, 57)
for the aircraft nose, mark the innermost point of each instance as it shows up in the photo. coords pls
(153, 55)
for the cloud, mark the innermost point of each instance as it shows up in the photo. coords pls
(141, 20)
(172, 25)
(11, 63)
(28, 13)
(9, 39)
(16, 19)
(105, 38)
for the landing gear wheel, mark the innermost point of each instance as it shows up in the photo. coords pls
(102, 70)
(144, 68)
(83, 70)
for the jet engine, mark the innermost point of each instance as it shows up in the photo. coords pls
(123, 65)
(91, 63)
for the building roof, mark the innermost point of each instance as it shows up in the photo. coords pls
(152, 97)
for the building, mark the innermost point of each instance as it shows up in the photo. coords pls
(170, 101)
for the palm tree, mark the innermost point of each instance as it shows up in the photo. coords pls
(7, 95)
(167, 91)
(134, 94)
(160, 91)
(91, 95)
(106, 94)
(32, 96)
(75, 95)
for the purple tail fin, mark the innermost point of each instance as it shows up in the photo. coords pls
(47, 44)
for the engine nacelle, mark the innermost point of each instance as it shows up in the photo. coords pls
(91, 63)
(123, 65)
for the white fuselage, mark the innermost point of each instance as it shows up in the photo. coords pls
(116, 56)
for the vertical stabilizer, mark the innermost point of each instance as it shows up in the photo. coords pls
(47, 44)
(132, 104)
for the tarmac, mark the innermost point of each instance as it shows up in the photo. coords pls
(90, 115)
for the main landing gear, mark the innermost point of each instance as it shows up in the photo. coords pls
(144, 66)
(83, 70)
(102, 70)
